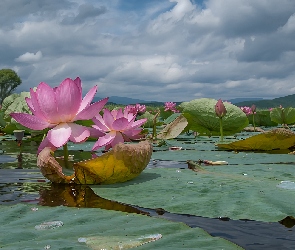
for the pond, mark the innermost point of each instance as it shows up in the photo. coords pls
(247, 203)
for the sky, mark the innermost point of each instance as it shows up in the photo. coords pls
(154, 50)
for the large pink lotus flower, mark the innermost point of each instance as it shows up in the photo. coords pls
(58, 108)
(171, 106)
(118, 125)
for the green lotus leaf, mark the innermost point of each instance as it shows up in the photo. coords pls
(279, 138)
(262, 118)
(173, 129)
(201, 117)
(283, 115)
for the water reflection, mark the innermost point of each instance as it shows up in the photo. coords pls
(80, 196)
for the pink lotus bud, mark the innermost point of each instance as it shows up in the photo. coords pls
(220, 109)
(253, 108)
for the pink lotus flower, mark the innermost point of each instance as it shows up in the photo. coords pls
(118, 125)
(220, 109)
(171, 106)
(136, 109)
(58, 108)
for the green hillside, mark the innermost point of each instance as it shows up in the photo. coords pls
(286, 101)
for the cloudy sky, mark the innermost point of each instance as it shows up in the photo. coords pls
(155, 50)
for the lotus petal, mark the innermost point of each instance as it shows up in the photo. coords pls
(59, 135)
(88, 98)
(30, 121)
(79, 133)
(68, 100)
(92, 110)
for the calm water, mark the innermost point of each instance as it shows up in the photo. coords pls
(21, 182)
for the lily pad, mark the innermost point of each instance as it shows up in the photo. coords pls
(201, 117)
(124, 162)
(279, 138)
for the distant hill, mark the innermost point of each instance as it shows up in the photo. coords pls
(127, 100)
(239, 100)
(286, 101)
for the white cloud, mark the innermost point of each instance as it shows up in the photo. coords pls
(29, 57)
(161, 50)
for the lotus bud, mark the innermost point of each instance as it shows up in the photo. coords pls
(220, 109)
(253, 108)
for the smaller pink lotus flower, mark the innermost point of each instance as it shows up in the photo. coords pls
(171, 106)
(136, 109)
(220, 109)
(118, 126)
(246, 110)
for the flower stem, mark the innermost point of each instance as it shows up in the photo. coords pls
(221, 129)
(66, 155)
(154, 136)
(254, 123)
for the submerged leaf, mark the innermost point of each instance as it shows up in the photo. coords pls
(174, 128)
(201, 117)
(279, 138)
(124, 162)
(118, 242)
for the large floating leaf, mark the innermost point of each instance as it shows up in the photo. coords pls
(279, 138)
(201, 117)
(283, 115)
(88, 228)
(124, 162)
(174, 128)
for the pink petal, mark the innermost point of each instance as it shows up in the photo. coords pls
(30, 121)
(29, 103)
(59, 135)
(88, 98)
(79, 132)
(47, 102)
(45, 143)
(99, 122)
(68, 99)
(119, 114)
(35, 106)
(137, 123)
(119, 138)
(120, 124)
(77, 81)
(132, 132)
(108, 118)
(105, 140)
(91, 111)
(95, 133)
